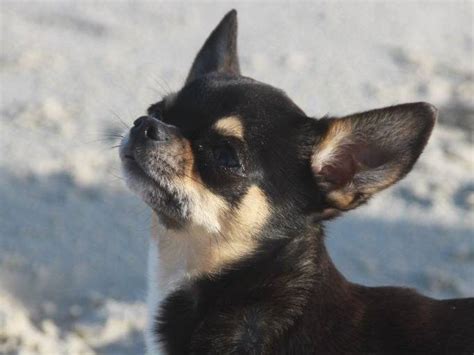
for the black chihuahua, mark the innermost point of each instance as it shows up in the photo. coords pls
(240, 181)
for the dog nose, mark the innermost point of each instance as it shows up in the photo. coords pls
(150, 128)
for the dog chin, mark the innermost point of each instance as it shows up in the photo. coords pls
(155, 192)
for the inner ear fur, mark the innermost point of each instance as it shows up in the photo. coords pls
(361, 154)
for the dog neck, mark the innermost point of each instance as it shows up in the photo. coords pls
(193, 251)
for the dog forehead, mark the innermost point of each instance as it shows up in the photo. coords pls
(208, 101)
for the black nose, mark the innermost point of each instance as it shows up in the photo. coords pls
(150, 128)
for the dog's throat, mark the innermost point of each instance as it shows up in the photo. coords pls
(194, 250)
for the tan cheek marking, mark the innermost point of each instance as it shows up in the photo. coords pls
(205, 206)
(230, 126)
(241, 228)
(208, 252)
(253, 212)
(205, 252)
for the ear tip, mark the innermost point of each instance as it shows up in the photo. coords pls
(430, 109)
(228, 24)
(424, 111)
(219, 52)
(232, 14)
(230, 17)
(429, 112)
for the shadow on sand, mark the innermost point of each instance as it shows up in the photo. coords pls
(63, 245)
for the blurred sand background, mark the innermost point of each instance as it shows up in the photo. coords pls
(73, 239)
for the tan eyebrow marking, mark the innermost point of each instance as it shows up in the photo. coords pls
(230, 126)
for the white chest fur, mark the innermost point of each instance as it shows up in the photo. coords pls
(174, 257)
(165, 274)
(154, 298)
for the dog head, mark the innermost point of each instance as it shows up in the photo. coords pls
(239, 160)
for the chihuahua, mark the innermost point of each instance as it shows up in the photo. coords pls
(240, 181)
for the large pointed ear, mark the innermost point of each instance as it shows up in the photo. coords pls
(361, 154)
(219, 52)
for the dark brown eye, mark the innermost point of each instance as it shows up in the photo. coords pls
(225, 156)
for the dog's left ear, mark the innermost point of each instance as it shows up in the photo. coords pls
(361, 154)
(219, 52)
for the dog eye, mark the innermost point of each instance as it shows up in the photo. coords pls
(225, 156)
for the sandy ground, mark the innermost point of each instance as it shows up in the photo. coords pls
(73, 239)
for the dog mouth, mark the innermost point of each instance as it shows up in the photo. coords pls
(135, 173)
(153, 184)
(134, 169)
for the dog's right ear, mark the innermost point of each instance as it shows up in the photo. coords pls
(219, 52)
(361, 154)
